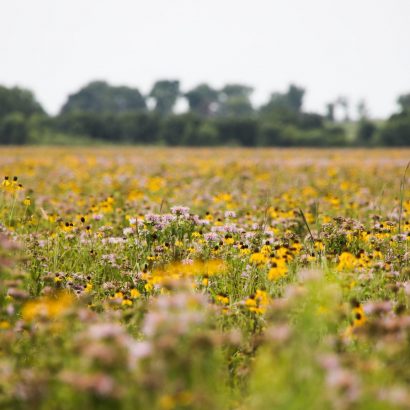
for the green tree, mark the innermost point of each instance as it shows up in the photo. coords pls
(180, 129)
(14, 129)
(207, 134)
(241, 131)
(330, 111)
(100, 97)
(404, 102)
(94, 125)
(396, 131)
(365, 132)
(20, 100)
(235, 101)
(165, 94)
(294, 97)
(140, 128)
(292, 100)
(202, 100)
(271, 135)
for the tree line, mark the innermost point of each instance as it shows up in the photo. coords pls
(120, 114)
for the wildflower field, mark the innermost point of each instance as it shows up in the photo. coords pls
(154, 278)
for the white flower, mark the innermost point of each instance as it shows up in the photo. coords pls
(127, 231)
(230, 214)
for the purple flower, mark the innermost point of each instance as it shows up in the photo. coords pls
(211, 237)
(180, 210)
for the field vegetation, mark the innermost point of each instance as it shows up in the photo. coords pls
(158, 278)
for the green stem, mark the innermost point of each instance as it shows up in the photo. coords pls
(12, 208)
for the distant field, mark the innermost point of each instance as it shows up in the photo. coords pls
(159, 278)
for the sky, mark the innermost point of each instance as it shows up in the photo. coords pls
(356, 48)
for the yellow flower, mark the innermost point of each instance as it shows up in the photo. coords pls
(258, 258)
(52, 218)
(319, 246)
(178, 270)
(347, 261)
(250, 303)
(258, 302)
(67, 227)
(326, 219)
(11, 186)
(47, 307)
(322, 310)
(167, 402)
(359, 317)
(278, 269)
(282, 251)
(6, 182)
(4, 324)
(222, 197)
(134, 293)
(222, 298)
(155, 184)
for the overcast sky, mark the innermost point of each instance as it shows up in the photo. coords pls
(358, 48)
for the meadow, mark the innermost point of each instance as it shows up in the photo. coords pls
(159, 278)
